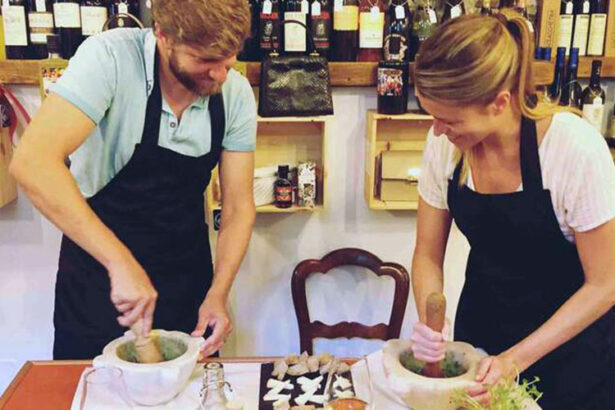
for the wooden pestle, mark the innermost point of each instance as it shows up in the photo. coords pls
(436, 310)
(147, 351)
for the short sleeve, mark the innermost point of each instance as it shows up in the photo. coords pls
(90, 80)
(433, 181)
(589, 196)
(241, 116)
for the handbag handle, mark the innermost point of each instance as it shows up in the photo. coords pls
(311, 44)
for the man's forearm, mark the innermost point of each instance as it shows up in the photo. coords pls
(233, 240)
(53, 191)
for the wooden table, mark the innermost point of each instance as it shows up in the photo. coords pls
(49, 385)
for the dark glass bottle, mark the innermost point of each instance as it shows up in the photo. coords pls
(392, 87)
(397, 32)
(94, 15)
(251, 49)
(40, 20)
(424, 24)
(295, 36)
(269, 26)
(555, 90)
(54, 46)
(283, 189)
(345, 30)
(597, 28)
(594, 97)
(371, 29)
(564, 27)
(321, 26)
(145, 12)
(67, 17)
(123, 13)
(14, 18)
(581, 26)
(453, 9)
(571, 92)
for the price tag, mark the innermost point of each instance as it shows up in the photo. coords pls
(432, 16)
(374, 13)
(338, 5)
(267, 7)
(122, 8)
(586, 7)
(305, 7)
(569, 7)
(456, 11)
(316, 9)
(148, 4)
(400, 12)
(41, 7)
(598, 101)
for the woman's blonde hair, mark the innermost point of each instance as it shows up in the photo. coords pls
(470, 59)
(220, 26)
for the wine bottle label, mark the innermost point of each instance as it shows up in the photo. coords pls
(371, 31)
(305, 7)
(346, 19)
(93, 19)
(456, 11)
(390, 82)
(41, 25)
(67, 15)
(122, 8)
(400, 12)
(316, 9)
(14, 19)
(581, 30)
(564, 35)
(284, 194)
(321, 31)
(41, 6)
(594, 113)
(267, 7)
(269, 31)
(294, 34)
(595, 46)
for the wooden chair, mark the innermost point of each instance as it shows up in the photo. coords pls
(309, 330)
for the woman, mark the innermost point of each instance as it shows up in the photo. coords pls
(533, 190)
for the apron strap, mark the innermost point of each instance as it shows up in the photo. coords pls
(530, 161)
(151, 129)
(218, 122)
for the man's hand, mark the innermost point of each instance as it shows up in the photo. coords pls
(213, 314)
(133, 294)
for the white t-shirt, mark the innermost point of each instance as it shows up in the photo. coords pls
(576, 164)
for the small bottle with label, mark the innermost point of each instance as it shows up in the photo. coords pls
(594, 97)
(213, 395)
(283, 189)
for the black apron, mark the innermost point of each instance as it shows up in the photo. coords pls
(520, 270)
(155, 206)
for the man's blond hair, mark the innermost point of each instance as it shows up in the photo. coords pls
(220, 26)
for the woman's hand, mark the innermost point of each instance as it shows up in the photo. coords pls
(492, 370)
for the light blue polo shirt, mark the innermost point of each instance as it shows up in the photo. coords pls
(110, 78)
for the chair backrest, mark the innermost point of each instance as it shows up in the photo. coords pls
(309, 330)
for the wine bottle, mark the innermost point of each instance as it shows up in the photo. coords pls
(94, 15)
(123, 13)
(571, 92)
(581, 26)
(67, 17)
(593, 98)
(250, 50)
(397, 36)
(15, 29)
(371, 29)
(453, 9)
(145, 12)
(269, 25)
(320, 25)
(295, 36)
(564, 29)
(424, 24)
(283, 188)
(555, 90)
(40, 19)
(597, 28)
(345, 30)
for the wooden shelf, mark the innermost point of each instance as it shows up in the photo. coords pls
(342, 74)
(272, 209)
(405, 132)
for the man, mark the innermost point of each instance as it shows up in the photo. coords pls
(145, 115)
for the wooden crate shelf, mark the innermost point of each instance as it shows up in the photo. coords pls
(342, 74)
(287, 140)
(391, 133)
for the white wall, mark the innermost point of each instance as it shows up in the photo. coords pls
(264, 318)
